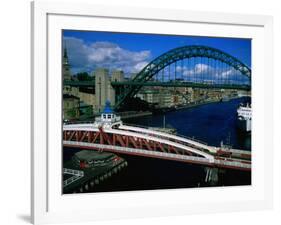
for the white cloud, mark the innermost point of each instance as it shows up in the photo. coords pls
(197, 69)
(139, 66)
(84, 56)
(191, 73)
(201, 68)
(179, 69)
(228, 73)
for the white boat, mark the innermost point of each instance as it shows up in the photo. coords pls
(244, 118)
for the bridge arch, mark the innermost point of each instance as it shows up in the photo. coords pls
(177, 54)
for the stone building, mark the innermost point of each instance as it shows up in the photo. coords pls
(70, 107)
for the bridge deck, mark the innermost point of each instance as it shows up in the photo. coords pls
(182, 84)
(205, 154)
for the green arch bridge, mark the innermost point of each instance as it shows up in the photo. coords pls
(188, 66)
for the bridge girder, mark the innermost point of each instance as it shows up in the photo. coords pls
(104, 138)
(98, 140)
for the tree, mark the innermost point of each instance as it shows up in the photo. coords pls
(83, 76)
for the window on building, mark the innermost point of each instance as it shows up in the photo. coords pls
(109, 116)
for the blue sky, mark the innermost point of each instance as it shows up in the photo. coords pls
(131, 52)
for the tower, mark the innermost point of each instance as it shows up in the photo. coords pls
(65, 66)
(101, 88)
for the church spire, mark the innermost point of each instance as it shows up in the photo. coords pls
(65, 56)
(66, 66)
(65, 52)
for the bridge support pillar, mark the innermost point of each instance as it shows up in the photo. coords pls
(212, 175)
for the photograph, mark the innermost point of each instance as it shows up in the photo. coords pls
(146, 111)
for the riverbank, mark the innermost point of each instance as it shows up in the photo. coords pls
(171, 109)
(192, 105)
(137, 114)
(134, 114)
(197, 104)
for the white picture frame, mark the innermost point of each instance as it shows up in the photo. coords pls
(47, 203)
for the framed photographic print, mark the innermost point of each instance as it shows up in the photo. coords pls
(137, 116)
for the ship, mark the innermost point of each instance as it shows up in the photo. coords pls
(244, 118)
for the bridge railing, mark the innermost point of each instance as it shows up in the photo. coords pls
(73, 172)
(76, 175)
